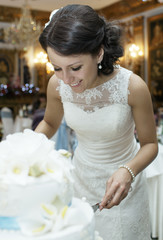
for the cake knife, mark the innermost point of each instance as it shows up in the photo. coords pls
(96, 206)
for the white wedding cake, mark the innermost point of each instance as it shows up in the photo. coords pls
(36, 192)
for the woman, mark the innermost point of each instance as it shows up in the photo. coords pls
(102, 102)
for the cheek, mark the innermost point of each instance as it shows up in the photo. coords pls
(92, 71)
(80, 74)
(89, 72)
(58, 74)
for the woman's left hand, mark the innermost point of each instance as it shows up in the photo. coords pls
(117, 188)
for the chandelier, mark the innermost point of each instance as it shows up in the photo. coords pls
(23, 32)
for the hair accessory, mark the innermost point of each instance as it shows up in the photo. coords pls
(51, 15)
(130, 171)
(100, 66)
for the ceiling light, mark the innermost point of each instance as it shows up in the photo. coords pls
(23, 32)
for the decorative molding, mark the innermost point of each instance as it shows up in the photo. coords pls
(125, 8)
(9, 14)
(128, 8)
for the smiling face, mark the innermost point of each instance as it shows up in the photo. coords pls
(80, 72)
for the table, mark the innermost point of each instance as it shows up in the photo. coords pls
(154, 174)
(22, 123)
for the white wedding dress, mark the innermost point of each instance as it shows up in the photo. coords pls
(103, 122)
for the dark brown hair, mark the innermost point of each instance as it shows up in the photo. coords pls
(78, 29)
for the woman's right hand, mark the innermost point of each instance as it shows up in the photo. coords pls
(117, 188)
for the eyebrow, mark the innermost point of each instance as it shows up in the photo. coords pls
(68, 65)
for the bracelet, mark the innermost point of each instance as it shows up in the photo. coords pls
(130, 171)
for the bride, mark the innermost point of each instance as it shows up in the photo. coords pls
(103, 103)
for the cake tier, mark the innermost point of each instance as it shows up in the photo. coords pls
(17, 200)
(78, 225)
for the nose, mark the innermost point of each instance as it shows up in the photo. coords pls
(67, 77)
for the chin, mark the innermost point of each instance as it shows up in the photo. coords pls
(78, 90)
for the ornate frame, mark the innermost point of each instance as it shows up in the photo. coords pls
(155, 56)
(7, 65)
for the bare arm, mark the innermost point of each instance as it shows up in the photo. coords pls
(141, 103)
(54, 110)
(119, 183)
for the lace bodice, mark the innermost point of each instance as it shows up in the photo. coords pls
(113, 91)
(104, 126)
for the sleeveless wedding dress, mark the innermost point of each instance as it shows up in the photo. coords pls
(104, 126)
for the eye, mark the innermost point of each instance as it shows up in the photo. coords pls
(77, 68)
(57, 69)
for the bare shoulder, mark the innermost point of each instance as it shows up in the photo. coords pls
(139, 91)
(53, 84)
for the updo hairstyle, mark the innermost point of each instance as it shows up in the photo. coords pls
(78, 29)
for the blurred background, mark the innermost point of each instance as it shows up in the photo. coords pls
(25, 68)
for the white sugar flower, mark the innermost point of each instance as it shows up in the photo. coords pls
(54, 169)
(58, 166)
(59, 224)
(30, 145)
(17, 172)
(29, 154)
(49, 211)
(70, 216)
(35, 225)
(65, 153)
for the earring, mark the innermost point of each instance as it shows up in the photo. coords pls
(100, 66)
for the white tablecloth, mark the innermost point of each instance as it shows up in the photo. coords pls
(154, 173)
(22, 123)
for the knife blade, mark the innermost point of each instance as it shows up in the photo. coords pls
(96, 206)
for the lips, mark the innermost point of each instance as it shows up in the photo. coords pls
(75, 84)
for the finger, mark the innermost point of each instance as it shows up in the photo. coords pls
(102, 206)
(119, 194)
(118, 197)
(107, 198)
(108, 184)
(111, 203)
(109, 195)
